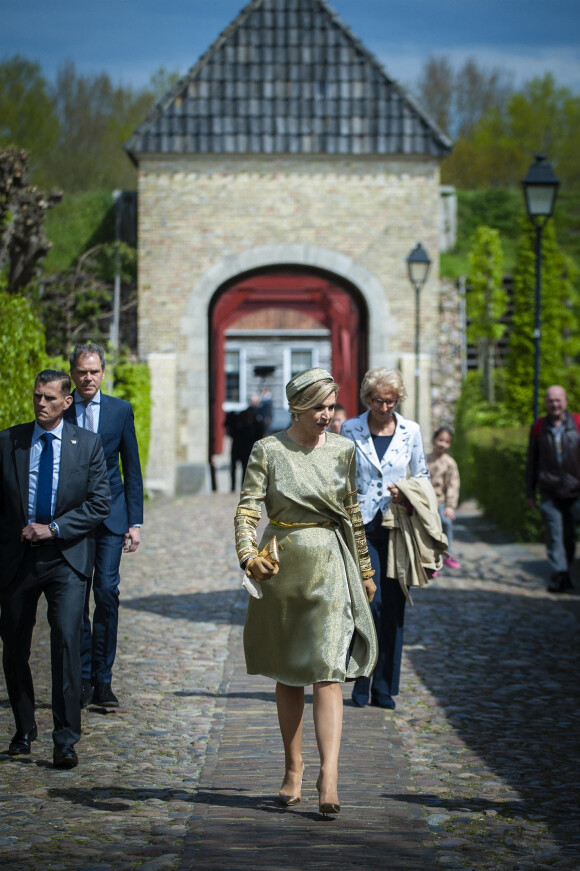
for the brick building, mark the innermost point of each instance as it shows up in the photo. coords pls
(282, 183)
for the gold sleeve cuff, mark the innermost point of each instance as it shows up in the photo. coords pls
(245, 523)
(353, 509)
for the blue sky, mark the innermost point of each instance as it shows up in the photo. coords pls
(131, 39)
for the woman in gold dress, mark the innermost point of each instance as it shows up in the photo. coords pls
(312, 623)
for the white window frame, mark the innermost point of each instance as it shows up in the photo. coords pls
(230, 405)
(288, 358)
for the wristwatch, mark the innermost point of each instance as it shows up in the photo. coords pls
(53, 529)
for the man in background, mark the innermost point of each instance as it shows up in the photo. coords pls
(120, 533)
(54, 492)
(553, 468)
(245, 429)
(338, 419)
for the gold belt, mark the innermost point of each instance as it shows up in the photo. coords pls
(300, 525)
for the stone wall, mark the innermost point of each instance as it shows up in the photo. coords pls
(202, 217)
(450, 360)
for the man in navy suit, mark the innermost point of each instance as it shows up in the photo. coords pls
(113, 419)
(54, 492)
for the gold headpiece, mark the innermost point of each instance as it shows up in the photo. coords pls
(305, 379)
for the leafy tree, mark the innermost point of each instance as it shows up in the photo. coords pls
(80, 222)
(560, 337)
(75, 128)
(133, 383)
(77, 305)
(499, 208)
(161, 82)
(496, 150)
(568, 152)
(536, 117)
(23, 355)
(23, 243)
(486, 301)
(96, 119)
(28, 117)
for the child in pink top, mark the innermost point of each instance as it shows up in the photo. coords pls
(445, 479)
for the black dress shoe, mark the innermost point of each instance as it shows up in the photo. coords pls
(87, 692)
(360, 692)
(20, 743)
(65, 757)
(560, 582)
(379, 701)
(104, 696)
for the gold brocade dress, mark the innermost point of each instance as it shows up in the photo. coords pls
(313, 622)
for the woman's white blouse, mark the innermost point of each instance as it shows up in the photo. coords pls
(373, 475)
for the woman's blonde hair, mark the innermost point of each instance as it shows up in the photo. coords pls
(378, 378)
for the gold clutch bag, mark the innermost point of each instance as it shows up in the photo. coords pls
(272, 554)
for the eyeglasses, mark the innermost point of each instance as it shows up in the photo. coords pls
(378, 403)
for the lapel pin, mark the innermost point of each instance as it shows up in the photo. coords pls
(73, 441)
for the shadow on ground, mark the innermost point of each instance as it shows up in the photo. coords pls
(503, 667)
(216, 606)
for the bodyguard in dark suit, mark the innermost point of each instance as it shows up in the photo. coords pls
(113, 419)
(54, 491)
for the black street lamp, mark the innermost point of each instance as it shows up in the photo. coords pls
(418, 265)
(540, 191)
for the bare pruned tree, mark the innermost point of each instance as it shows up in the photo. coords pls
(436, 88)
(23, 243)
(457, 99)
(476, 91)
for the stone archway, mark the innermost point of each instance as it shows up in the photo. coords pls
(186, 466)
(322, 298)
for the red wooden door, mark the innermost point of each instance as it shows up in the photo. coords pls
(321, 297)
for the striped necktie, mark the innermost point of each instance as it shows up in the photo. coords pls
(44, 488)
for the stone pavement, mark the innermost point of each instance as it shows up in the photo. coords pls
(476, 769)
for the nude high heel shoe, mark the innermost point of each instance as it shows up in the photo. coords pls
(287, 799)
(326, 807)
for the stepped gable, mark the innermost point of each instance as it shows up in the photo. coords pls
(288, 77)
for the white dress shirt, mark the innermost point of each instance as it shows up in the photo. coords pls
(80, 410)
(36, 449)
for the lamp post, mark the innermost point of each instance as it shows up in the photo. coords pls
(540, 191)
(418, 265)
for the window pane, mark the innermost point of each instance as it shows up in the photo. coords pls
(232, 376)
(300, 360)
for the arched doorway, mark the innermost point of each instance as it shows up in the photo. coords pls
(334, 304)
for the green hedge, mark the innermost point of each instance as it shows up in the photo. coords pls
(22, 356)
(132, 382)
(492, 463)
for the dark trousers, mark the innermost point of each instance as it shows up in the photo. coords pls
(99, 645)
(561, 518)
(233, 468)
(388, 610)
(44, 570)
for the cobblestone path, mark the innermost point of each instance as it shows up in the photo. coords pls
(476, 769)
